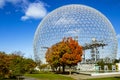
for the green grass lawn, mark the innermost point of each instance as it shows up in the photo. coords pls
(48, 76)
(53, 76)
(110, 78)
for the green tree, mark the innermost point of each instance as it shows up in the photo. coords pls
(4, 65)
(43, 67)
(20, 65)
(29, 65)
(12, 65)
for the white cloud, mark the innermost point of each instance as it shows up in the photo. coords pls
(35, 10)
(76, 31)
(66, 21)
(2, 3)
(24, 18)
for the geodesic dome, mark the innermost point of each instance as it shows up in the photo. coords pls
(91, 28)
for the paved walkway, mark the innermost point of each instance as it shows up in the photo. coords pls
(85, 77)
(82, 76)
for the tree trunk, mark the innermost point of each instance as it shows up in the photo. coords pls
(59, 69)
(70, 71)
(63, 68)
(53, 69)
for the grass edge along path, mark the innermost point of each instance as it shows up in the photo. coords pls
(49, 76)
(53, 76)
(107, 78)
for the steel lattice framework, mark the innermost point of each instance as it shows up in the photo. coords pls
(90, 27)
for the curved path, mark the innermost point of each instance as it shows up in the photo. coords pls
(85, 77)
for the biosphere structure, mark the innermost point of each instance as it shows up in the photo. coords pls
(87, 25)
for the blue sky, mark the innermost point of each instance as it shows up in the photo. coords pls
(20, 18)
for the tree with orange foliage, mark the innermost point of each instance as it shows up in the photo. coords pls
(53, 56)
(55, 53)
(67, 52)
(73, 55)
